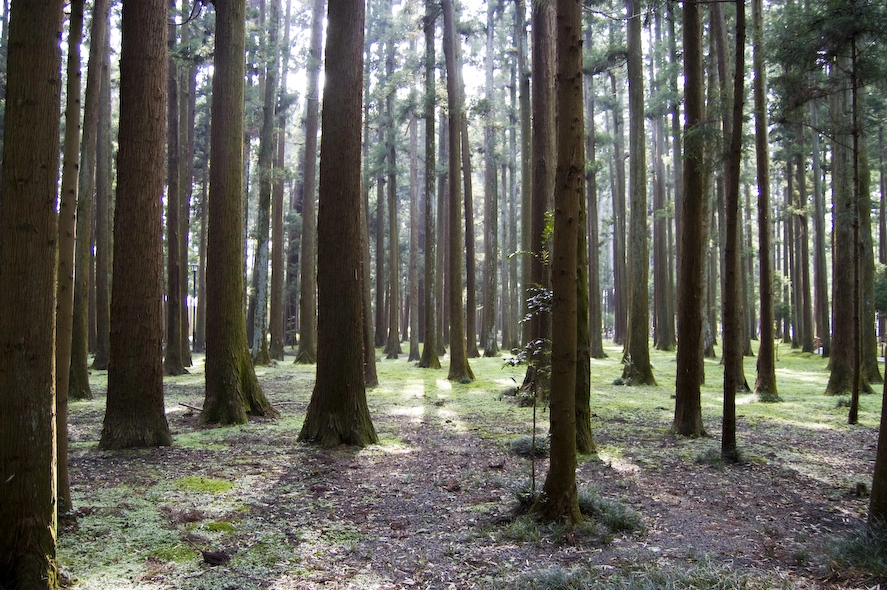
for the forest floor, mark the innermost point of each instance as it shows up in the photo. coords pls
(433, 505)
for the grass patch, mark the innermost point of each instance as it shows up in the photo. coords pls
(865, 551)
(208, 485)
(703, 574)
(615, 516)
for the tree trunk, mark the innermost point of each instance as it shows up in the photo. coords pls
(638, 370)
(559, 500)
(277, 317)
(200, 333)
(66, 225)
(259, 345)
(28, 240)
(307, 353)
(459, 368)
(338, 413)
(187, 105)
(414, 226)
(430, 358)
(765, 380)
(544, 162)
(877, 518)
(172, 361)
(843, 335)
(392, 343)
(232, 390)
(526, 199)
(733, 296)
(135, 414)
(620, 270)
(820, 266)
(104, 180)
(491, 199)
(688, 405)
(596, 344)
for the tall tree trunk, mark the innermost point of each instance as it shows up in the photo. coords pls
(526, 183)
(232, 390)
(820, 266)
(733, 297)
(307, 352)
(620, 270)
(187, 105)
(259, 344)
(765, 380)
(459, 368)
(277, 317)
(392, 343)
(135, 415)
(596, 344)
(172, 360)
(104, 180)
(414, 224)
(65, 273)
(841, 361)
(470, 258)
(491, 199)
(28, 238)
(638, 370)
(559, 500)
(688, 403)
(338, 412)
(430, 358)
(544, 160)
(200, 333)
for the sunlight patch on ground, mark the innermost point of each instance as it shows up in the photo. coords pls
(415, 388)
(613, 457)
(444, 385)
(746, 399)
(414, 412)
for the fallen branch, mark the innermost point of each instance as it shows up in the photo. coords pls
(189, 406)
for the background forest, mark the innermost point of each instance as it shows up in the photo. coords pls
(216, 188)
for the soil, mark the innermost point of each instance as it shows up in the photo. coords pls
(436, 508)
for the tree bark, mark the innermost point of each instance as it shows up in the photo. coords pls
(28, 239)
(542, 177)
(66, 224)
(820, 265)
(526, 182)
(172, 360)
(307, 353)
(596, 344)
(135, 415)
(277, 317)
(232, 390)
(688, 403)
(638, 370)
(491, 199)
(430, 359)
(733, 296)
(392, 343)
(459, 368)
(765, 380)
(559, 500)
(338, 412)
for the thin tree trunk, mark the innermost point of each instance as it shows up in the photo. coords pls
(526, 183)
(596, 344)
(491, 200)
(392, 343)
(430, 358)
(172, 361)
(104, 182)
(66, 225)
(820, 266)
(307, 352)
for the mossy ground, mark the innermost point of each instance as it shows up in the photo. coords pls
(432, 504)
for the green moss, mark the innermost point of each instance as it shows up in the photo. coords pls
(199, 483)
(221, 526)
(178, 552)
